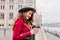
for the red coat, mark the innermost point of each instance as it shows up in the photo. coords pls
(21, 30)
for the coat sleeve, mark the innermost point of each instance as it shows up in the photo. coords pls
(17, 30)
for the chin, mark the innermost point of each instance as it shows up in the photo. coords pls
(27, 18)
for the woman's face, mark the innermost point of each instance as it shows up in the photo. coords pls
(27, 15)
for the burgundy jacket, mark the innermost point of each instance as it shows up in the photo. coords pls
(21, 30)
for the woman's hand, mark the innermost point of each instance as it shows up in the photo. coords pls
(34, 31)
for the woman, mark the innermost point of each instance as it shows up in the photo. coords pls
(23, 25)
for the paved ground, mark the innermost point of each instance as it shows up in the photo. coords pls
(51, 37)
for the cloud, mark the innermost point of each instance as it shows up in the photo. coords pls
(50, 10)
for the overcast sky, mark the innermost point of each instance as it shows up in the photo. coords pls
(50, 10)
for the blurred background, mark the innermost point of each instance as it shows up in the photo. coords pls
(48, 11)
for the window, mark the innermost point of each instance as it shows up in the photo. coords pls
(1, 24)
(10, 15)
(1, 15)
(19, 6)
(2, 7)
(2, 0)
(11, 0)
(9, 24)
(10, 6)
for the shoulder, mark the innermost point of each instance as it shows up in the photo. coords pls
(19, 21)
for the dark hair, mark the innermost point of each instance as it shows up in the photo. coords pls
(26, 9)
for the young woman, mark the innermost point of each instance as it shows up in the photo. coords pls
(23, 25)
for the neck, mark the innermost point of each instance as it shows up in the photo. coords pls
(24, 19)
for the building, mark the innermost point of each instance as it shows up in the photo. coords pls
(8, 12)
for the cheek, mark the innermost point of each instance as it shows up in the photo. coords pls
(26, 16)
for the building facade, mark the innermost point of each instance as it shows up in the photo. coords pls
(9, 10)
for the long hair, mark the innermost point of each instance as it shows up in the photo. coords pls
(23, 10)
